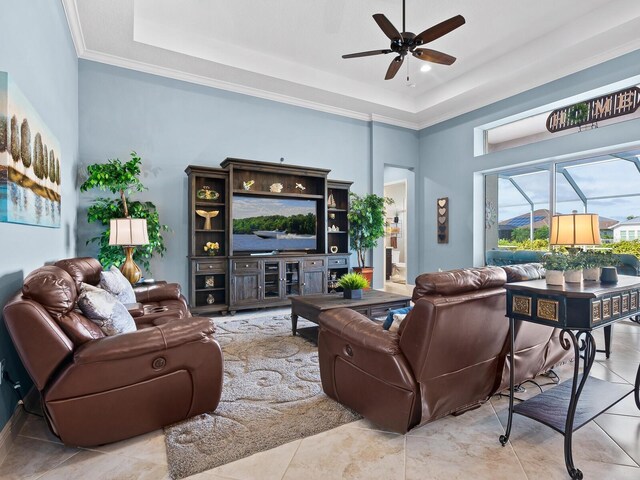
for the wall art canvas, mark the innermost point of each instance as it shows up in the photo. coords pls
(29, 162)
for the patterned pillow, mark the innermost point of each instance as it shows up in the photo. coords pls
(105, 310)
(117, 285)
(398, 318)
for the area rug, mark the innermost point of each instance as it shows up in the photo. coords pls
(271, 395)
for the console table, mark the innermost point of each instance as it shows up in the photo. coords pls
(576, 309)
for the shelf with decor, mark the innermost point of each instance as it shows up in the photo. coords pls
(208, 214)
(337, 240)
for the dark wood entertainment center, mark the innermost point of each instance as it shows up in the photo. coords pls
(235, 279)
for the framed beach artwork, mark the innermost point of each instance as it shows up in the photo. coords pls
(29, 162)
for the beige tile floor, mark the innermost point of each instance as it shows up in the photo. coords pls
(451, 448)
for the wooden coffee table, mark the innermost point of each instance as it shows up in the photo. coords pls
(373, 304)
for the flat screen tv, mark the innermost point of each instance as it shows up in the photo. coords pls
(265, 224)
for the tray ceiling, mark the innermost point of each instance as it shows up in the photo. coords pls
(290, 50)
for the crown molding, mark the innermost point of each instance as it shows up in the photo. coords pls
(236, 88)
(75, 27)
(395, 122)
(73, 19)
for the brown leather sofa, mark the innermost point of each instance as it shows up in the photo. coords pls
(449, 354)
(97, 389)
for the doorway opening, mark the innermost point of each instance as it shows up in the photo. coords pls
(396, 182)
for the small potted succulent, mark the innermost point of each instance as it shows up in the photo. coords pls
(575, 264)
(555, 264)
(352, 284)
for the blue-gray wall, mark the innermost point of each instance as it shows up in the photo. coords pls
(447, 164)
(37, 51)
(172, 124)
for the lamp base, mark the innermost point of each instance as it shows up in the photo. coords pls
(129, 269)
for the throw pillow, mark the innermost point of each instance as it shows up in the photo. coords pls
(117, 285)
(389, 321)
(397, 320)
(105, 310)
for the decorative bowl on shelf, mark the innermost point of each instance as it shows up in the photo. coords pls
(206, 193)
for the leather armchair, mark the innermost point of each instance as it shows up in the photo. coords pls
(160, 299)
(97, 389)
(448, 356)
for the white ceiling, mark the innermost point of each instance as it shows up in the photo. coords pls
(290, 50)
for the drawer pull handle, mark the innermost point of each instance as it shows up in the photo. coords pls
(246, 266)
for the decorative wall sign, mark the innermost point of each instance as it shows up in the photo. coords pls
(623, 102)
(442, 216)
(29, 162)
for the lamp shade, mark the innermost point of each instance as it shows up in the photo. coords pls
(128, 231)
(575, 229)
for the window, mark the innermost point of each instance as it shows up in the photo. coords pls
(608, 185)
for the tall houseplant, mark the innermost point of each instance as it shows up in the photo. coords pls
(366, 226)
(122, 179)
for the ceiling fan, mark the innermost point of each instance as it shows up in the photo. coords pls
(408, 42)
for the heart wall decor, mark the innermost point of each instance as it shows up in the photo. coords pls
(442, 208)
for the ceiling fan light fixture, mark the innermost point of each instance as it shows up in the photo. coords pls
(425, 68)
(403, 43)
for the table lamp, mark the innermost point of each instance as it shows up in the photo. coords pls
(128, 233)
(575, 230)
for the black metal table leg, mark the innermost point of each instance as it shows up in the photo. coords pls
(637, 390)
(584, 342)
(505, 438)
(607, 340)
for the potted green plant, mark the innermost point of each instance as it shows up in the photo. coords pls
(353, 283)
(366, 226)
(555, 263)
(593, 261)
(121, 179)
(575, 264)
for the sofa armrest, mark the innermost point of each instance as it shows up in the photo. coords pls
(142, 342)
(135, 309)
(157, 292)
(358, 330)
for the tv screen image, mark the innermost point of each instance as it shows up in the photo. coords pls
(264, 224)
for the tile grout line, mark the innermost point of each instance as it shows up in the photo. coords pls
(55, 466)
(617, 444)
(515, 454)
(291, 459)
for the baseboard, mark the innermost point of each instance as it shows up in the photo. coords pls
(14, 425)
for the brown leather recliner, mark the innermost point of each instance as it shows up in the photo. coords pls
(158, 300)
(97, 389)
(448, 356)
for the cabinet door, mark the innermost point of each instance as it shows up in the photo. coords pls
(314, 282)
(292, 278)
(245, 288)
(272, 280)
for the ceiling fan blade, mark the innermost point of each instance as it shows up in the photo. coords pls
(434, 56)
(396, 63)
(437, 31)
(387, 27)
(366, 54)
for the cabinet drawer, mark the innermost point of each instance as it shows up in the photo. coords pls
(245, 265)
(338, 262)
(211, 266)
(314, 263)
